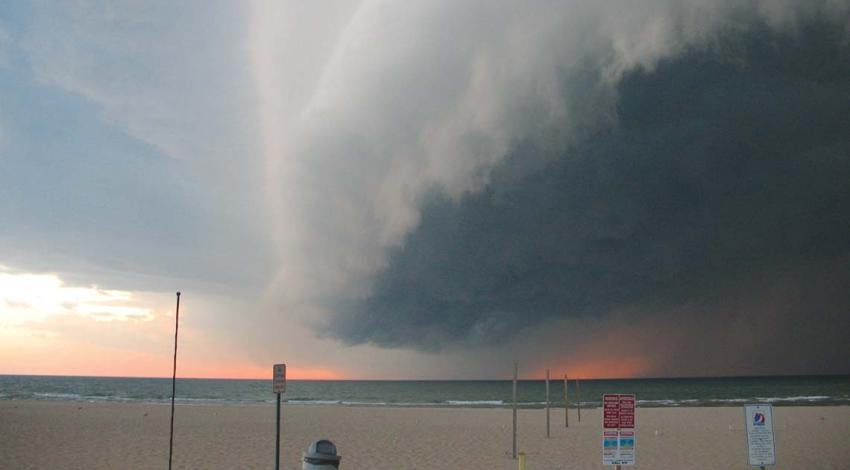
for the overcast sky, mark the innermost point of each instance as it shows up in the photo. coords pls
(425, 189)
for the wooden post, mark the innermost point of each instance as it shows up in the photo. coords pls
(578, 402)
(566, 402)
(516, 368)
(547, 403)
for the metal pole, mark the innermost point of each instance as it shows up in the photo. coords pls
(566, 402)
(578, 403)
(277, 437)
(516, 369)
(547, 403)
(173, 382)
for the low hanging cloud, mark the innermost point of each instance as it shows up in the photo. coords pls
(460, 174)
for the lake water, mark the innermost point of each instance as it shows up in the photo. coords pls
(722, 391)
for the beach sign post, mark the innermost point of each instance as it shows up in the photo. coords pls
(761, 447)
(618, 434)
(566, 402)
(547, 403)
(278, 387)
(173, 382)
(516, 370)
(578, 399)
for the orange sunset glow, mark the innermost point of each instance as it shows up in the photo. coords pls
(92, 360)
(599, 368)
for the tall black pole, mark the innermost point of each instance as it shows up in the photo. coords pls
(516, 369)
(173, 382)
(277, 437)
(547, 404)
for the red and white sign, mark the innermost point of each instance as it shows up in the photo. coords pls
(611, 411)
(618, 411)
(279, 378)
(618, 421)
(627, 411)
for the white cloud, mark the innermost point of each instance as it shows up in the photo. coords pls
(35, 297)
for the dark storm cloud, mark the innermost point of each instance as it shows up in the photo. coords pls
(727, 173)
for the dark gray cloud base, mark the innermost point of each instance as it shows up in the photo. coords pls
(726, 175)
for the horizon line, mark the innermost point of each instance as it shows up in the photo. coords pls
(553, 379)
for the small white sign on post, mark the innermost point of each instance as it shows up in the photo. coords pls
(761, 448)
(279, 378)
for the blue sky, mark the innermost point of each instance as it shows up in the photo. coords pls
(88, 175)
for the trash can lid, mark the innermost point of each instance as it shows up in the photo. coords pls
(321, 451)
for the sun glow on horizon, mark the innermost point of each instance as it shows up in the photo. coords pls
(598, 368)
(51, 327)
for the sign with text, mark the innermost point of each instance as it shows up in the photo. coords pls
(279, 378)
(618, 447)
(761, 448)
(618, 422)
(618, 411)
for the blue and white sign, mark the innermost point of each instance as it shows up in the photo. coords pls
(618, 447)
(761, 447)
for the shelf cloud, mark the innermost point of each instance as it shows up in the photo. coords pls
(461, 174)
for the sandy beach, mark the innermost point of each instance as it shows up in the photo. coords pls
(41, 434)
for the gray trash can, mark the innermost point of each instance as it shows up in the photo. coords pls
(321, 455)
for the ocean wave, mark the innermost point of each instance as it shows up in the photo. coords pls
(57, 396)
(651, 403)
(475, 402)
(86, 398)
(364, 403)
(794, 399)
(313, 402)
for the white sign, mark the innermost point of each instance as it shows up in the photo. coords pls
(618, 447)
(279, 378)
(760, 444)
